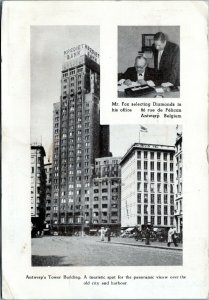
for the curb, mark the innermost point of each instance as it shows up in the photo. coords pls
(141, 245)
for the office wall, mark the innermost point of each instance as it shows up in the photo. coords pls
(130, 41)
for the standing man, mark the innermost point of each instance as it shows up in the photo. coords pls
(166, 60)
(139, 73)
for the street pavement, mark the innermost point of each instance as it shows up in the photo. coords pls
(90, 251)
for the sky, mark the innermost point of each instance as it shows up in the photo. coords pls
(47, 47)
(47, 52)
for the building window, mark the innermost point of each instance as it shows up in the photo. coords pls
(145, 176)
(152, 155)
(139, 209)
(165, 198)
(158, 220)
(145, 198)
(145, 154)
(152, 198)
(138, 154)
(145, 209)
(165, 220)
(152, 176)
(145, 165)
(138, 175)
(139, 164)
(152, 187)
(165, 210)
(139, 196)
(171, 166)
(145, 187)
(152, 220)
(158, 198)
(152, 165)
(158, 166)
(139, 220)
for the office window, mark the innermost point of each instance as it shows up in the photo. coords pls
(139, 197)
(145, 219)
(165, 177)
(165, 198)
(165, 156)
(138, 175)
(138, 154)
(165, 188)
(145, 209)
(145, 154)
(145, 198)
(152, 165)
(145, 176)
(152, 187)
(172, 210)
(152, 176)
(139, 209)
(158, 155)
(171, 177)
(152, 220)
(165, 166)
(158, 166)
(158, 176)
(165, 210)
(152, 155)
(158, 198)
(165, 220)
(145, 165)
(172, 199)
(139, 164)
(171, 166)
(152, 209)
(139, 187)
(158, 220)
(139, 220)
(152, 198)
(145, 187)
(159, 187)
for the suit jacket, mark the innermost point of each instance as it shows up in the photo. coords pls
(169, 69)
(131, 74)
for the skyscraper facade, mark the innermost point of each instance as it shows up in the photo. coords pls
(78, 138)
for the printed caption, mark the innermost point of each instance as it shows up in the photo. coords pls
(154, 109)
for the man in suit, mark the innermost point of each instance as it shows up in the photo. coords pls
(140, 72)
(166, 60)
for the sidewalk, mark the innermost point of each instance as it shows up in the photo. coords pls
(133, 242)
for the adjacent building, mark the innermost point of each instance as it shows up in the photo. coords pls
(38, 186)
(48, 200)
(78, 138)
(178, 195)
(147, 185)
(106, 193)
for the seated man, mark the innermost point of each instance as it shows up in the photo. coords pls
(139, 73)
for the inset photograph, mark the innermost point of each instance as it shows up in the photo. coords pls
(149, 61)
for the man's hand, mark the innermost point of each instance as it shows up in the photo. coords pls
(127, 82)
(142, 81)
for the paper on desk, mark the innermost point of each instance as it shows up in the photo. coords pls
(122, 87)
(166, 84)
(159, 90)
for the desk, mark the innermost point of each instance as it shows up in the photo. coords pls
(153, 94)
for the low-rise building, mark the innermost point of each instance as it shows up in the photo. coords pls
(106, 193)
(178, 194)
(38, 186)
(147, 185)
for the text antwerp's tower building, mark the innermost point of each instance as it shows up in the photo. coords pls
(78, 138)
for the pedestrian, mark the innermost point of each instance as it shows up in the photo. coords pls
(108, 232)
(172, 236)
(147, 236)
(102, 234)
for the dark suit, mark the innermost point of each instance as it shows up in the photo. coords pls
(131, 74)
(169, 69)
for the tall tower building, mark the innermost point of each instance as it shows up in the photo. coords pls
(78, 138)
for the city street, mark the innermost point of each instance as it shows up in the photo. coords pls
(90, 251)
